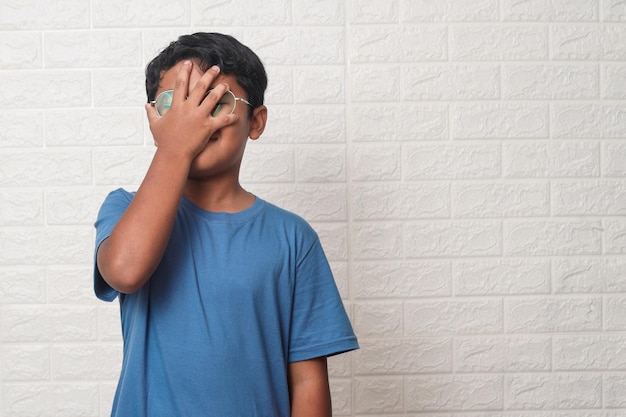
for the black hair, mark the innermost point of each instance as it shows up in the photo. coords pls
(208, 49)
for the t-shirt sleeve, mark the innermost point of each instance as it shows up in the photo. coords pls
(320, 325)
(110, 212)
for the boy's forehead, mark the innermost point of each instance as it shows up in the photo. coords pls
(169, 76)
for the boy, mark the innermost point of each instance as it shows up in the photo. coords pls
(228, 305)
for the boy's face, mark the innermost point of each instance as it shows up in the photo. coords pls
(224, 151)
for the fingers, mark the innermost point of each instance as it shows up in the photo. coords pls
(181, 87)
(226, 119)
(189, 99)
(203, 84)
(215, 100)
(197, 96)
(153, 118)
(151, 112)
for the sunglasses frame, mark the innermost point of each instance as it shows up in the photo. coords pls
(235, 99)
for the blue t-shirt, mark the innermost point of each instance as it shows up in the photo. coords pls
(235, 298)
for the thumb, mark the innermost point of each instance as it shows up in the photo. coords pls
(151, 112)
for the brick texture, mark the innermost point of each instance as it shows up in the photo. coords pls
(463, 162)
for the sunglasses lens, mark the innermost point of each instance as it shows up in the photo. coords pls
(226, 105)
(163, 102)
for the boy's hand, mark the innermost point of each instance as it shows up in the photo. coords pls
(188, 125)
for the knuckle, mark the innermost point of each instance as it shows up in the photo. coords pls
(202, 85)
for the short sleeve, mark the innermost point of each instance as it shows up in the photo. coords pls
(110, 212)
(320, 325)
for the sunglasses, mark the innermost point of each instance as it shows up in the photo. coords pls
(226, 105)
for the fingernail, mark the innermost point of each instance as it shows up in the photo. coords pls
(215, 68)
(187, 63)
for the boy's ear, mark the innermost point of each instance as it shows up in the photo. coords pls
(257, 122)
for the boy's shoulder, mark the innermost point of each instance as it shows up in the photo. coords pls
(116, 200)
(286, 216)
(121, 194)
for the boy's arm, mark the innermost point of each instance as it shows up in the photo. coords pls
(129, 256)
(308, 388)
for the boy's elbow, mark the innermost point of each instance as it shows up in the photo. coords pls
(122, 279)
(125, 286)
(120, 275)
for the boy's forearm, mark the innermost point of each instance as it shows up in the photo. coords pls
(130, 255)
(309, 389)
(314, 404)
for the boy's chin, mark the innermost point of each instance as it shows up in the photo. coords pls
(206, 151)
(200, 164)
(204, 166)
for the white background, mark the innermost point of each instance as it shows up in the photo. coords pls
(462, 160)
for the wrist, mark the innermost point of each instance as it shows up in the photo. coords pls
(175, 155)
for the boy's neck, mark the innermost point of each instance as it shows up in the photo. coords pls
(227, 198)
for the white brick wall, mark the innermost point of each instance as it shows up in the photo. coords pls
(463, 162)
